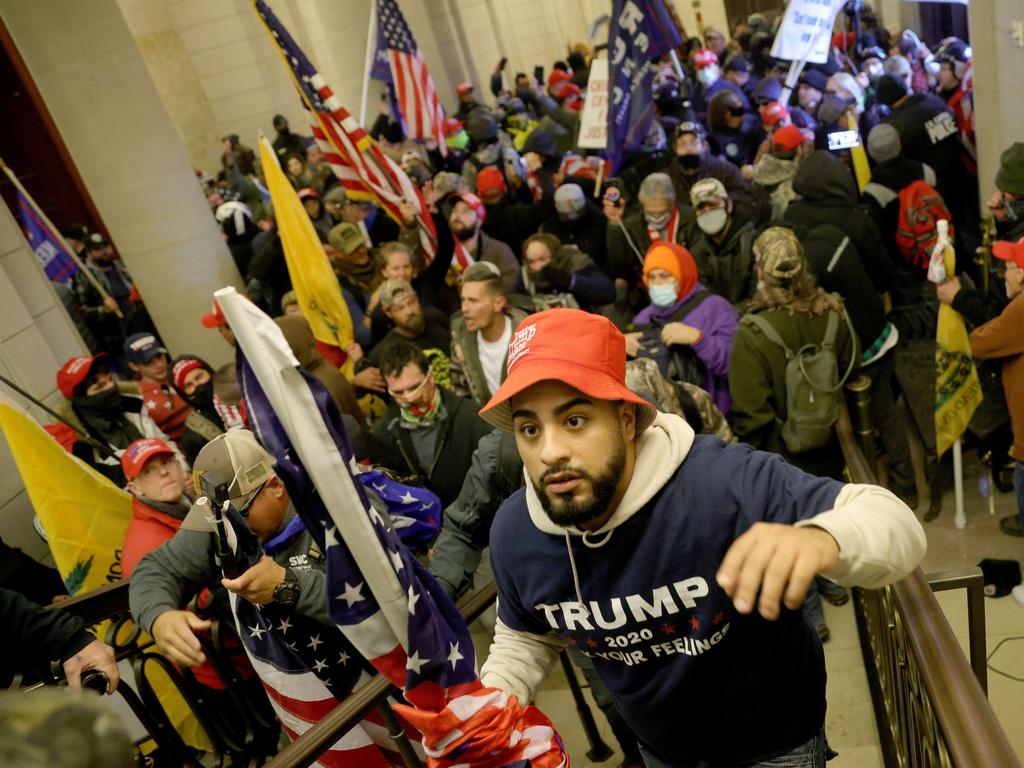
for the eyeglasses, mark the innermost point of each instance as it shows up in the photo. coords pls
(244, 511)
(411, 393)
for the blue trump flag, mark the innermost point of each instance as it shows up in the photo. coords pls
(47, 244)
(641, 32)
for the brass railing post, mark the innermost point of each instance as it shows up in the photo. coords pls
(863, 427)
(973, 581)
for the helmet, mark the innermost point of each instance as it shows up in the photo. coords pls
(956, 53)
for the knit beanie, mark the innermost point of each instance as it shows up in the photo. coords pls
(884, 143)
(675, 260)
(1010, 178)
(889, 90)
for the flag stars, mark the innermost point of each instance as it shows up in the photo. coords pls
(408, 498)
(353, 594)
(331, 536)
(314, 641)
(343, 658)
(413, 598)
(284, 626)
(396, 560)
(454, 656)
(256, 632)
(319, 666)
(414, 662)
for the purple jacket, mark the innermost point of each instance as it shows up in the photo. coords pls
(716, 318)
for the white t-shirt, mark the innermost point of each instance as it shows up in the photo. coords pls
(492, 355)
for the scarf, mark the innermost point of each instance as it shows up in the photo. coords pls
(418, 417)
(103, 414)
(670, 231)
(800, 295)
(364, 277)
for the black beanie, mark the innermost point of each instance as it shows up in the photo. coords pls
(890, 90)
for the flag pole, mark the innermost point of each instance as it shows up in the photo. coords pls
(57, 233)
(368, 62)
(960, 519)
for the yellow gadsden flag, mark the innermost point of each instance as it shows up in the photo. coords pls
(85, 517)
(957, 389)
(313, 280)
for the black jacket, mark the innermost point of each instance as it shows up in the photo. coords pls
(461, 430)
(587, 233)
(34, 636)
(828, 195)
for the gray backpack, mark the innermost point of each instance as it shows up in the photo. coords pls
(812, 385)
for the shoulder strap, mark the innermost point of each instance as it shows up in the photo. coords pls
(831, 329)
(769, 331)
(691, 304)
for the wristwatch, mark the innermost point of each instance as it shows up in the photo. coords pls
(287, 592)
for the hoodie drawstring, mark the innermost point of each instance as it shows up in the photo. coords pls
(575, 575)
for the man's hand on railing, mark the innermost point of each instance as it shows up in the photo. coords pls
(777, 560)
(96, 655)
(174, 632)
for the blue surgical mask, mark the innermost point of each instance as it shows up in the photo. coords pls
(663, 295)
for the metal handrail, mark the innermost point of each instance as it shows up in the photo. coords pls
(930, 707)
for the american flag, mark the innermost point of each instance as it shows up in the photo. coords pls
(380, 596)
(306, 667)
(360, 165)
(398, 63)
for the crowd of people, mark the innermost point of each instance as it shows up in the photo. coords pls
(738, 262)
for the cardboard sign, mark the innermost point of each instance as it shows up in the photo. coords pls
(594, 118)
(806, 30)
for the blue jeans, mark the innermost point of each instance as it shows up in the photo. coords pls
(1018, 485)
(810, 754)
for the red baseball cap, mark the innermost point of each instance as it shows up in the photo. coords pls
(76, 370)
(490, 180)
(308, 192)
(1007, 251)
(472, 201)
(583, 350)
(214, 319)
(704, 58)
(464, 87)
(773, 113)
(182, 367)
(138, 453)
(451, 126)
(787, 138)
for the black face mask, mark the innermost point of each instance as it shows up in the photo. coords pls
(689, 162)
(105, 405)
(202, 397)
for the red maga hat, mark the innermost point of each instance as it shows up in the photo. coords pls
(138, 453)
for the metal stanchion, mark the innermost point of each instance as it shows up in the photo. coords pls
(599, 751)
(863, 428)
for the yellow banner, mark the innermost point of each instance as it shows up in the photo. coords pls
(957, 389)
(313, 280)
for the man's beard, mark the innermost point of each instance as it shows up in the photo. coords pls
(416, 324)
(565, 509)
(462, 234)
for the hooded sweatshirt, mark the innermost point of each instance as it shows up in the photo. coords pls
(828, 195)
(693, 678)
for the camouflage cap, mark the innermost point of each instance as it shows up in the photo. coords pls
(779, 253)
(346, 237)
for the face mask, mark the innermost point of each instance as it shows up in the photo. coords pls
(1014, 208)
(689, 162)
(569, 216)
(657, 220)
(203, 395)
(708, 75)
(104, 405)
(663, 295)
(712, 222)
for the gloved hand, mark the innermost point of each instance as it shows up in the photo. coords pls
(556, 278)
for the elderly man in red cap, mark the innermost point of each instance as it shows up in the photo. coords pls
(1002, 338)
(678, 563)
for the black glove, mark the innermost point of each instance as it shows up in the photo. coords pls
(554, 277)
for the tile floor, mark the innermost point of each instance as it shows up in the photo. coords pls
(850, 722)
